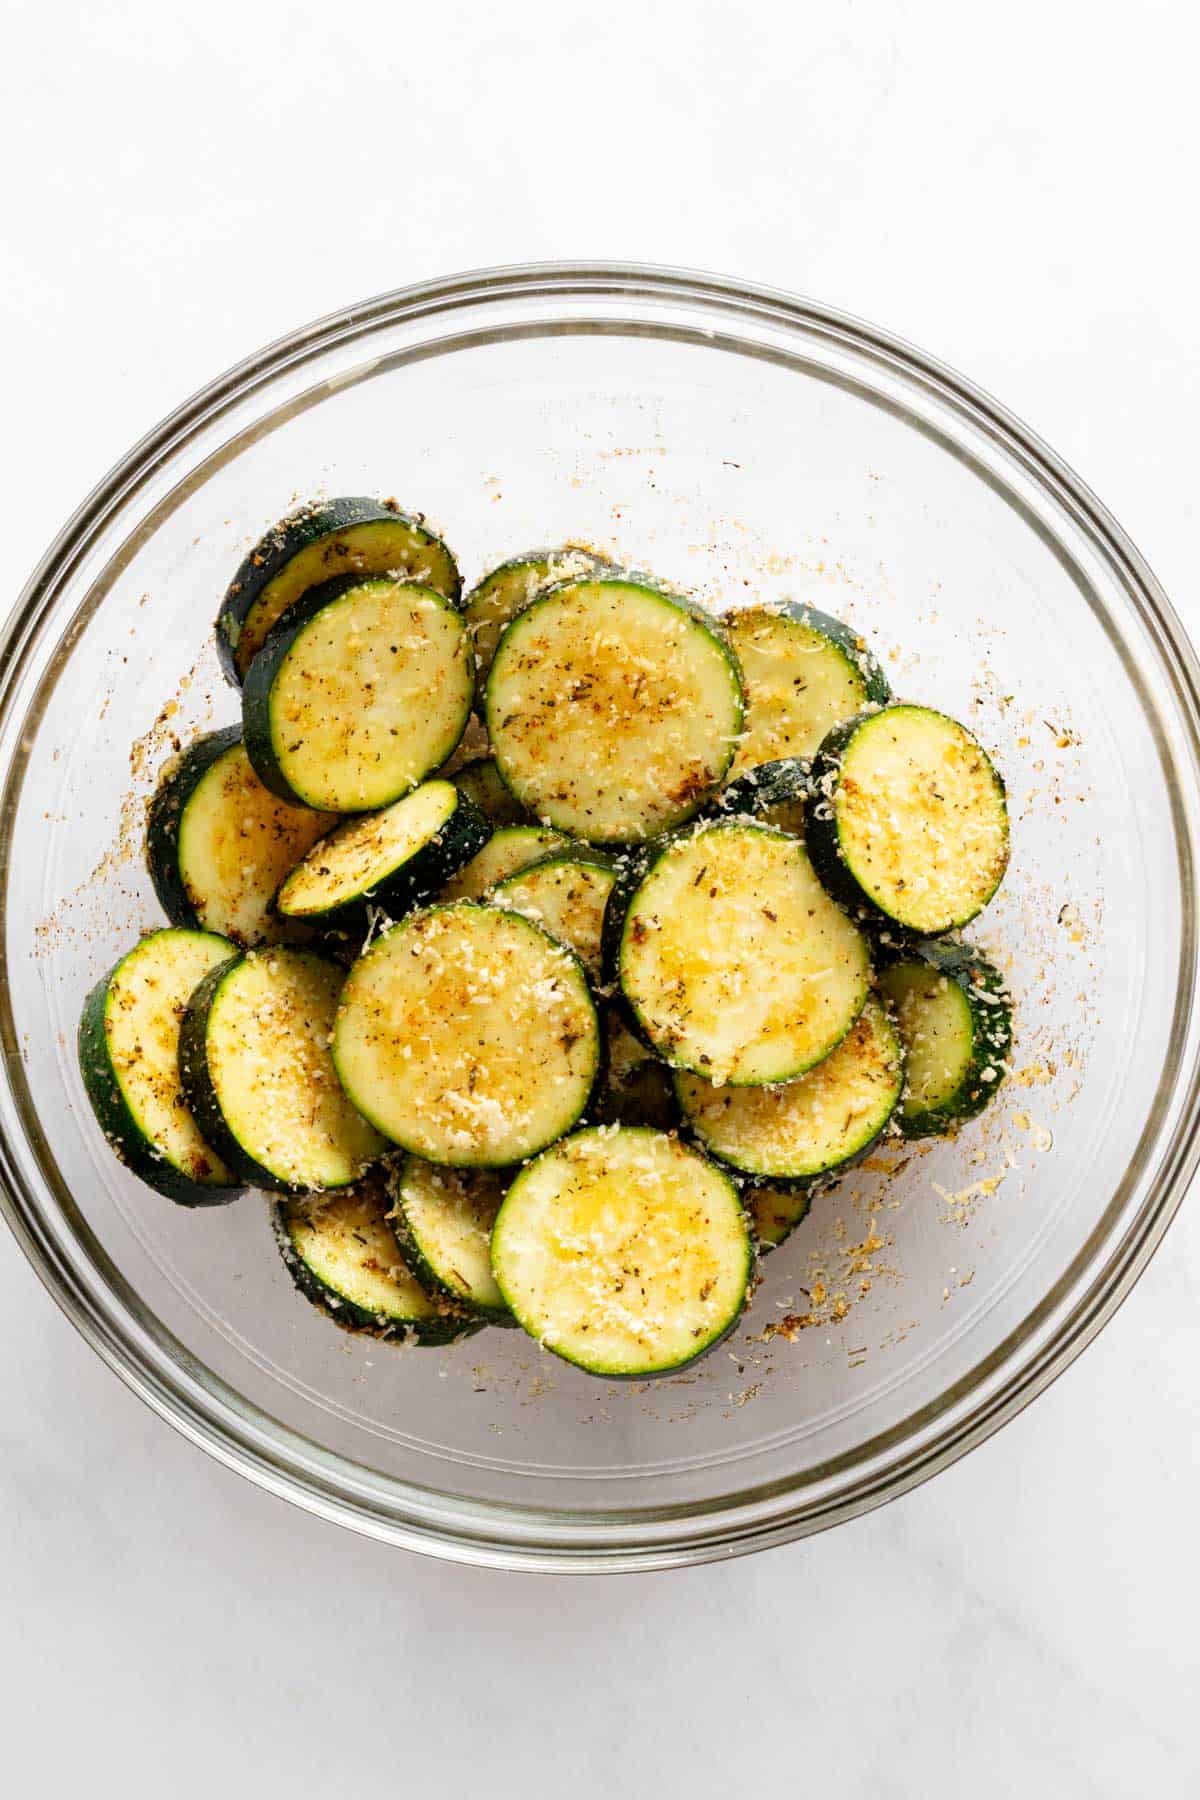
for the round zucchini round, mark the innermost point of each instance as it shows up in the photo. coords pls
(361, 690)
(218, 843)
(394, 859)
(731, 957)
(613, 709)
(468, 1036)
(906, 821)
(954, 1016)
(566, 895)
(775, 1211)
(805, 1129)
(328, 538)
(341, 1254)
(255, 1064)
(443, 1222)
(804, 671)
(129, 1060)
(623, 1251)
(510, 848)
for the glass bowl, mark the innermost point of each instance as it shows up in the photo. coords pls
(747, 445)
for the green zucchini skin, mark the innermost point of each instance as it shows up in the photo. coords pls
(448, 1329)
(481, 781)
(758, 792)
(163, 821)
(541, 569)
(850, 642)
(296, 533)
(198, 1088)
(258, 688)
(632, 866)
(771, 1225)
(821, 831)
(413, 882)
(116, 1120)
(420, 1263)
(992, 1022)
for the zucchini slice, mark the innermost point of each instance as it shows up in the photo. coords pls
(443, 1221)
(826, 1120)
(467, 1036)
(395, 858)
(340, 1252)
(907, 819)
(734, 961)
(955, 1021)
(480, 781)
(773, 793)
(803, 672)
(256, 1069)
(507, 590)
(623, 1251)
(511, 848)
(359, 692)
(613, 710)
(348, 536)
(218, 843)
(566, 895)
(128, 1056)
(634, 1087)
(775, 1213)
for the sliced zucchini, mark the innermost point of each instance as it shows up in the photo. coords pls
(733, 960)
(443, 1221)
(218, 843)
(612, 709)
(507, 850)
(362, 690)
(256, 1068)
(509, 589)
(775, 1212)
(349, 536)
(803, 672)
(634, 1087)
(394, 858)
(128, 1056)
(566, 895)
(480, 781)
(955, 1021)
(907, 819)
(340, 1252)
(467, 1036)
(826, 1120)
(773, 793)
(623, 1251)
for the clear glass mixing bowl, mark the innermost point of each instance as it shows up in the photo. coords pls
(746, 444)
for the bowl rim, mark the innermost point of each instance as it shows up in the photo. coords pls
(285, 1463)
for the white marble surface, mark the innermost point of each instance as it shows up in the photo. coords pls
(1013, 190)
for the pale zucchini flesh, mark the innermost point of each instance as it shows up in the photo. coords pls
(394, 858)
(443, 1220)
(735, 962)
(511, 848)
(908, 818)
(255, 1062)
(805, 1128)
(775, 1212)
(509, 589)
(219, 843)
(623, 1251)
(613, 710)
(129, 1058)
(341, 1252)
(468, 1036)
(803, 672)
(566, 897)
(363, 689)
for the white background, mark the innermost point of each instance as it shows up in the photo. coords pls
(1014, 189)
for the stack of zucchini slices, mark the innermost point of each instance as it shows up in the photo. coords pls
(561, 1036)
